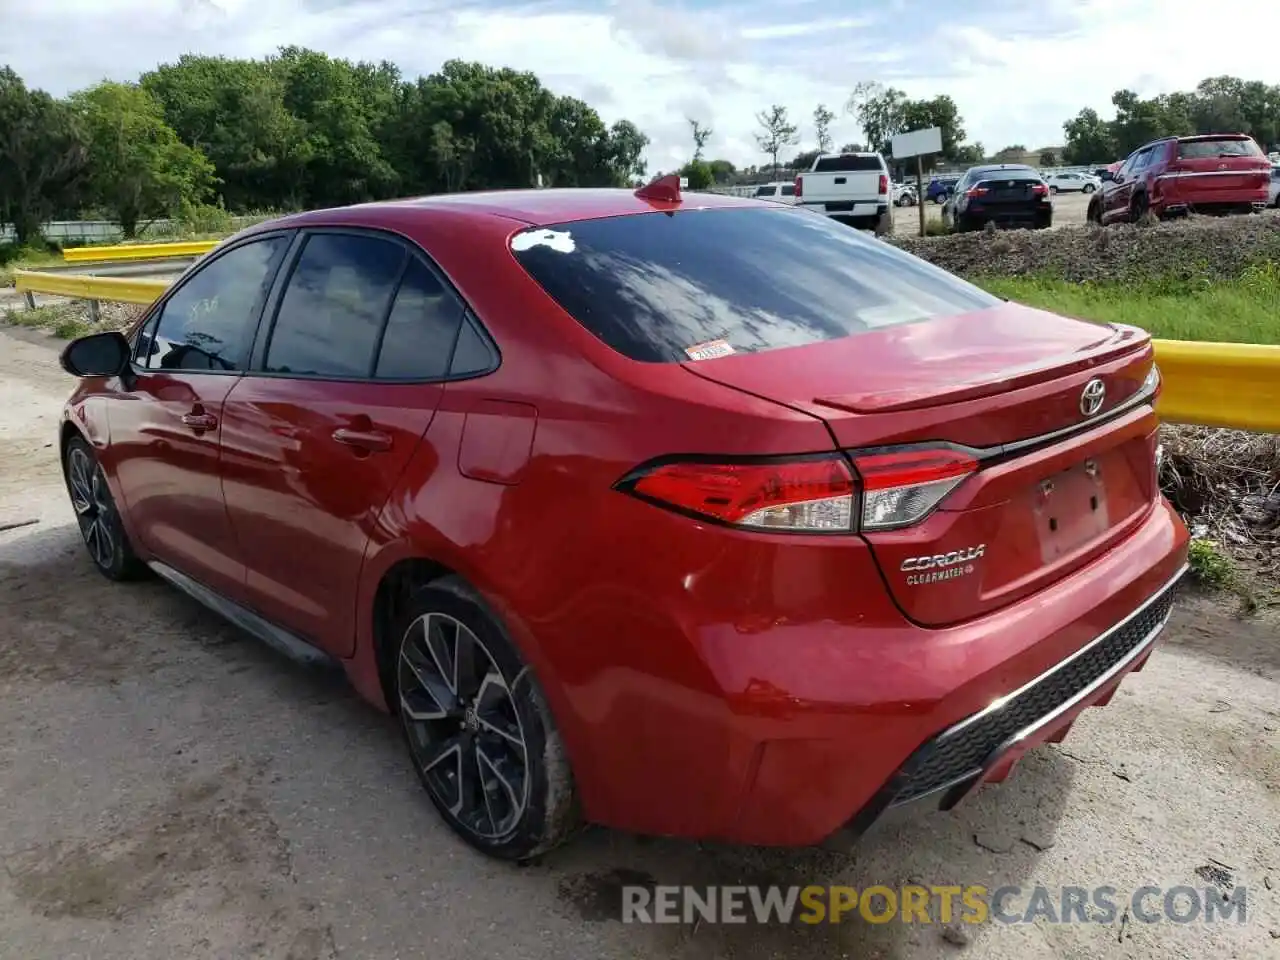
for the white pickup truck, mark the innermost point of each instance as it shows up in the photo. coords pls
(850, 187)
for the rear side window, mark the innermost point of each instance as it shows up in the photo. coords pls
(788, 189)
(847, 164)
(764, 191)
(334, 305)
(657, 287)
(421, 328)
(208, 323)
(1224, 147)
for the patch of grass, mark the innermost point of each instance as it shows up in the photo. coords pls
(13, 257)
(63, 320)
(1246, 310)
(1211, 567)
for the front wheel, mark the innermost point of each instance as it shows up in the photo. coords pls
(1088, 188)
(1094, 213)
(96, 514)
(478, 728)
(1137, 208)
(1053, 190)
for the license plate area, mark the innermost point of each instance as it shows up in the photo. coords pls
(1071, 508)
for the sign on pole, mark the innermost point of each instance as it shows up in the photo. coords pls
(918, 144)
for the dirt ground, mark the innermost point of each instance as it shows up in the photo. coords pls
(170, 788)
(1067, 208)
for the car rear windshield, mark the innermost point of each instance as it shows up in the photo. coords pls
(661, 287)
(847, 164)
(1225, 147)
(1011, 173)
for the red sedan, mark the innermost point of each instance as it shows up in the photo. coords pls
(693, 515)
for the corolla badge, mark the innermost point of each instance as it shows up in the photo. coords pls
(941, 566)
(1092, 397)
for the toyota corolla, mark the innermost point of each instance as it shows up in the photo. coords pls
(686, 515)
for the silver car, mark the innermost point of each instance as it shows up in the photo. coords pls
(1273, 198)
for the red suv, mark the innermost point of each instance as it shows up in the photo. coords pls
(696, 516)
(1216, 173)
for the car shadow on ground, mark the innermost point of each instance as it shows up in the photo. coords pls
(66, 625)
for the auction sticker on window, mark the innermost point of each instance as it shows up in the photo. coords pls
(709, 350)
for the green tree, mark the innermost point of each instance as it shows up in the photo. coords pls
(852, 148)
(1048, 158)
(804, 159)
(777, 132)
(822, 118)
(42, 156)
(699, 174)
(701, 135)
(1089, 139)
(940, 112)
(722, 171)
(879, 110)
(970, 154)
(233, 111)
(138, 169)
(1012, 152)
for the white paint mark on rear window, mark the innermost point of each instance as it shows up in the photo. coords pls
(558, 240)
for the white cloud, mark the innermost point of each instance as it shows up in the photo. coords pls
(1017, 68)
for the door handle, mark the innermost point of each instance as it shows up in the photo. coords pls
(199, 421)
(374, 441)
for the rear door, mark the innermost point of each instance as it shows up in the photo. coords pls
(165, 433)
(345, 380)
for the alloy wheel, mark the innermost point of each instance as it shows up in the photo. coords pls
(464, 730)
(92, 503)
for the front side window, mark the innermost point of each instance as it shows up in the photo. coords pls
(208, 323)
(334, 306)
(660, 288)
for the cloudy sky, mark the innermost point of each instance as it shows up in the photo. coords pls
(1017, 68)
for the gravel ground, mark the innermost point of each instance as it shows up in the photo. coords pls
(1067, 208)
(169, 788)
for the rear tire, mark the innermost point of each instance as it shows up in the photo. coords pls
(1088, 188)
(1053, 189)
(479, 732)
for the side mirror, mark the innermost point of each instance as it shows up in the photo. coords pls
(97, 355)
(1106, 176)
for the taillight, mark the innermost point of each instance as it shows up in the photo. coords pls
(799, 187)
(891, 489)
(811, 494)
(884, 183)
(975, 191)
(1040, 189)
(902, 487)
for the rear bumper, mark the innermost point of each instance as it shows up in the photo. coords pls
(985, 746)
(802, 707)
(1190, 194)
(1038, 217)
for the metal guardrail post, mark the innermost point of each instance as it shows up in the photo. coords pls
(30, 297)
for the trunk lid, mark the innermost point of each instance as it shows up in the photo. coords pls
(997, 381)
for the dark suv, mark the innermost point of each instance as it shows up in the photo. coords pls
(1214, 173)
(1006, 194)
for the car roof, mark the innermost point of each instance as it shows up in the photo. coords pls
(533, 207)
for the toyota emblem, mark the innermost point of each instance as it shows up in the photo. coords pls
(1092, 397)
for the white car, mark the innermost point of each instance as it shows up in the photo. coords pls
(784, 191)
(1273, 198)
(1072, 182)
(904, 194)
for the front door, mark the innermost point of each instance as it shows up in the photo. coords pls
(343, 385)
(165, 431)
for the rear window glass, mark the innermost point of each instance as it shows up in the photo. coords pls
(1226, 147)
(847, 164)
(1017, 173)
(671, 287)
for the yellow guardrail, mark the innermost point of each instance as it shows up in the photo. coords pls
(117, 289)
(139, 251)
(1220, 384)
